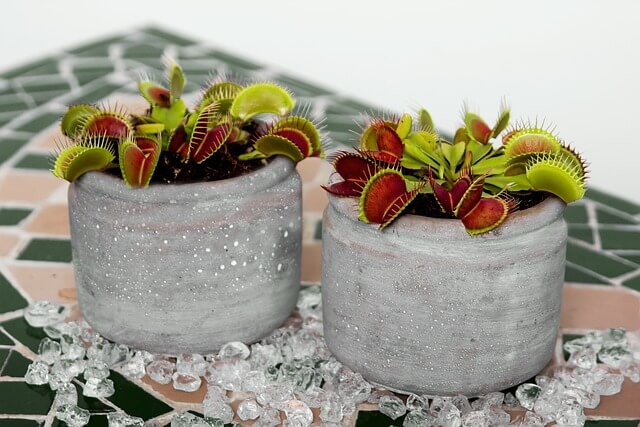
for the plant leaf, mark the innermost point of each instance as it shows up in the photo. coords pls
(501, 122)
(470, 198)
(384, 197)
(553, 173)
(155, 94)
(105, 124)
(272, 145)
(488, 214)
(261, 98)
(74, 161)
(477, 128)
(177, 81)
(404, 126)
(74, 118)
(298, 138)
(138, 160)
(453, 153)
(150, 128)
(212, 141)
(179, 142)
(355, 169)
(304, 125)
(172, 116)
(449, 199)
(425, 121)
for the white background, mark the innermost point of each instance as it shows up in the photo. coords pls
(576, 63)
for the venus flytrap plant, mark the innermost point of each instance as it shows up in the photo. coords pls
(233, 129)
(402, 161)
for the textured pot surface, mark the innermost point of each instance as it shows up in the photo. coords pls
(425, 308)
(187, 267)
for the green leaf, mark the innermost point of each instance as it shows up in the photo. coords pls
(261, 98)
(170, 117)
(177, 81)
(304, 125)
(453, 153)
(272, 145)
(512, 183)
(150, 128)
(74, 118)
(501, 123)
(424, 120)
(74, 161)
(404, 126)
(155, 94)
(491, 165)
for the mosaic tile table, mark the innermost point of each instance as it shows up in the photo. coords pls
(603, 268)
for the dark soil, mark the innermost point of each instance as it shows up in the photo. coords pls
(223, 164)
(426, 205)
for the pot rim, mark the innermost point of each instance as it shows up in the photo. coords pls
(259, 180)
(423, 227)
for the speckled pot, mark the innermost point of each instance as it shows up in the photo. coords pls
(187, 267)
(422, 307)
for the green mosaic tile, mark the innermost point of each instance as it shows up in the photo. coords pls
(35, 86)
(5, 339)
(24, 333)
(606, 265)
(95, 95)
(169, 37)
(16, 105)
(234, 62)
(91, 404)
(301, 88)
(614, 202)
(97, 49)
(11, 299)
(139, 51)
(607, 217)
(376, 419)
(633, 283)
(42, 67)
(15, 366)
(19, 422)
(134, 400)
(317, 235)
(94, 421)
(45, 97)
(340, 124)
(631, 257)
(581, 232)
(13, 216)
(86, 76)
(21, 398)
(155, 63)
(40, 122)
(619, 239)
(339, 108)
(573, 274)
(34, 161)
(52, 250)
(612, 423)
(357, 106)
(576, 214)
(4, 354)
(9, 146)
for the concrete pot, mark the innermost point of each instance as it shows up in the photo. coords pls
(422, 307)
(187, 267)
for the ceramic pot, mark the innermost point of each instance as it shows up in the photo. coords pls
(187, 267)
(423, 307)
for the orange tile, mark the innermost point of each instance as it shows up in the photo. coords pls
(31, 187)
(46, 141)
(8, 241)
(314, 170)
(51, 219)
(55, 283)
(311, 257)
(621, 405)
(314, 199)
(599, 307)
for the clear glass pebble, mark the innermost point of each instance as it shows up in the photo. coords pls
(37, 373)
(510, 400)
(615, 356)
(190, 420)
(119, 419)
(269, 418)
(527, 394)
(95, 387)
(193, 364)
(392, 406)
(488, 400)
(72, 347)
(331, 408)
(353, 389)
(228, 373)
(531, 419)
(475, 419)
(449, 416)
(547, 406)
(67, 394)
(275, 395)
(72, 415)
(135, 366)
(585, 358)
(438, 402)
(265, 355)
(254, 381)
(418, 418)
(215, 405)
(44, 313)
(570, 414)
(49, 351)
(498, 417)
(96, 369)
(186, 382)
(416, 403)
(234, 349)
(297, 412)
(631, 371)
(614, 337)
(576, 344)
(609, 385)
(55, 331)
(462, 403)
(161, 371)
(248, 410)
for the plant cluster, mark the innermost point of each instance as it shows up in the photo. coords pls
(245, 122)
(472, 178)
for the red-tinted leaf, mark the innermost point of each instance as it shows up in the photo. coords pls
(479, 130)
(344, 188)
(138, 161)
(388, 141)
(297, 137)
(160, 95)
(108, 125)
(212, 141)
(470, 198)
(384, 197)
(449, 199)
(488, 214)
(179, 142)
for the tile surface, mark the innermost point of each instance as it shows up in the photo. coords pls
(603, 268)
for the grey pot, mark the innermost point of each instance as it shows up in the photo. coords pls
(187, 267)
(423, 307)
